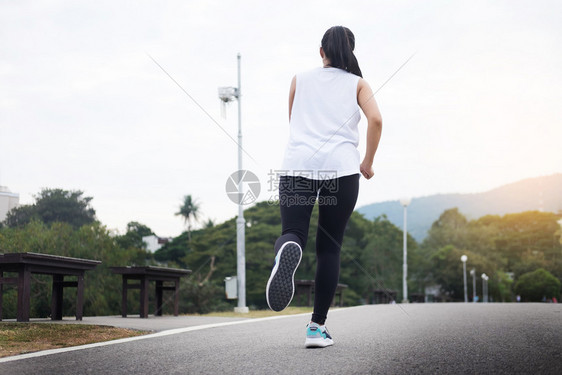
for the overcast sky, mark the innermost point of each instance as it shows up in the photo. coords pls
(82, 105)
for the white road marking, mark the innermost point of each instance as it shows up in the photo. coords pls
(149, 336)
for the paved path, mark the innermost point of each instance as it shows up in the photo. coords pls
(390, 339)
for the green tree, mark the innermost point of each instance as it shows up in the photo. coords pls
(513, 243)
(529, 233)
(55, 205)
(141, 229)
(499, 287)
(20, 216)
(189, 210)
(559, 231)
(450, 229)
(174, 251)
(379, 265)
(537, 285)
(133, 238)
(212, 252)
(202, 298)
(448, 270)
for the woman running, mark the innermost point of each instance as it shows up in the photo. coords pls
(322, 164)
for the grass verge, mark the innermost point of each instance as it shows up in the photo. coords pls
(20, 338)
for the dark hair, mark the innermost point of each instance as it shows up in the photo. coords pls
(338, 44)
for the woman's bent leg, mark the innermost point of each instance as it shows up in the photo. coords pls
(296, 200)
(297, 196)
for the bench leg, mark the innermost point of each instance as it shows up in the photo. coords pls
(159, 291)
(24, 292)
(79, 297)
(56, 297)
(144, 298)
(124, 297)
(177, 297)
(1, 293)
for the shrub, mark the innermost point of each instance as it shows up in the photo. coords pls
(537, 285)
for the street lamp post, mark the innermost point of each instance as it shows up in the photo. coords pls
(405, 202)
(485, 287)
(473, 273)
(463, 260)
(227, 94)
(487, 295)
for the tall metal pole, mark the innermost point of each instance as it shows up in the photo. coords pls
(473, 273)
(464, 258)
(405, 202)
(240, 222)
(464, 276)
(484, 287)
(405, 265)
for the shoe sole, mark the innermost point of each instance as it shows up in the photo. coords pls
(280, 287)
(318, 343)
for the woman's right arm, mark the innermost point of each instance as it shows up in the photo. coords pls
(368, 104)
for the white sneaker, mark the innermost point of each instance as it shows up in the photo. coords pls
(317, 336)
(280, 287)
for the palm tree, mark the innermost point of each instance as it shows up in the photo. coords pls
(190, 211)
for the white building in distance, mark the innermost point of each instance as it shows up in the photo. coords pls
(154, 243)
(8, 200)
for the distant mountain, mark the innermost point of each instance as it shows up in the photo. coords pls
(541, 193)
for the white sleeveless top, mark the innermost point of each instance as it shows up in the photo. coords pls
(323, 136)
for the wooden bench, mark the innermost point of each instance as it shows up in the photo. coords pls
(304, 289)
(146, 274)
(25, 264)
(383, 296)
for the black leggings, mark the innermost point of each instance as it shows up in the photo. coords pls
(336, 201)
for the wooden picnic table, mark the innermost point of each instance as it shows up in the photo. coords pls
(25, 264)
(146, 274)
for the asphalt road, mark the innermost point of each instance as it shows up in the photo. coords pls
(380, 339)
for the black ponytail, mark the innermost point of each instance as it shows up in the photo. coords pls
(338, 44)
